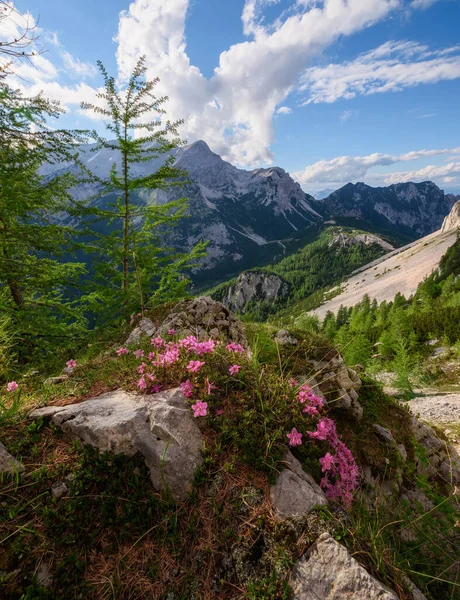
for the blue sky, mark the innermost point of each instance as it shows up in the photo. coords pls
(330, 90)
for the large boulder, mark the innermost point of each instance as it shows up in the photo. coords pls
(8, 464)
(254, 287)
(295, 493)
(328, 572)
(161, 427)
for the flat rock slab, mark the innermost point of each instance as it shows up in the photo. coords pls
(161, 427)
(8, 464)
(295, 493)
(328, 572)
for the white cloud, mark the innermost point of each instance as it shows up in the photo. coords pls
(347, 114)
(76, 68)
(234, 109)
(446, 174)
(284, 110)
(388, 68)
(422, 4)
(343, 169)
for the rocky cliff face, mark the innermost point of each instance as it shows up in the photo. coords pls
(417, 208)
(452, 221)
(255, 287)
(345, 240)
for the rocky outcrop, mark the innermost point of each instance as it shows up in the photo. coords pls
(160, 427)
(439, 459)
(328, 572)
(295, 493)
(452, 221)
(367, 239)
(253, 288)
(204, 317)
(8, 464)
(336, 383)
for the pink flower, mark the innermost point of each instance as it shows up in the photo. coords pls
(327, 462)
(157, 342)
(138, 353)
(12, 386)
(122, 351)
(234, 369)
(187, 388)
(142, 383)
(232, 347)
(71, 364)
(200, 409)
(293, 382)
(194, 366)
(325, 430)
(171, 331)
(141, 368)
(295, 438)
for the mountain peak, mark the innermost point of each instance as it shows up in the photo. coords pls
(198, 147)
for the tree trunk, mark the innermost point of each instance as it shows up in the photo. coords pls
(126, 224)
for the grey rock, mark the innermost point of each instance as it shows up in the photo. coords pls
(161, 427)
(145, 327)
(59, 490)
(8, 464)
(44, 576)
(328, 572)
(283, 338)
(255, 287)
(295, 493)
(343, 379)
(385, 435)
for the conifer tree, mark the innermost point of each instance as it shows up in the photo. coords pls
(34, 282)
(132, 266)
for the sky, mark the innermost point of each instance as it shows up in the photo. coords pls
(330, 90)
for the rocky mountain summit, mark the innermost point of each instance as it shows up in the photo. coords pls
(255, 217)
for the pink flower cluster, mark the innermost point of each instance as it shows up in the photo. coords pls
(71, 364)
(12, 386)
(232, 347)
(194, 366)
(312, 402)
(122, 351)
(341, 473)
(192, 344)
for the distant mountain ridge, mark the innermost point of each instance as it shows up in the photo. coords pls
(252, 218)
(417, 208)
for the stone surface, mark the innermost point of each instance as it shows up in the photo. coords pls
(59, 490)
(295, 493)
(8, 464)
(144, 327)
(56, 380)
(161, 427)
(285, 339)
(204, 318)
(328, 572)
(253, 286)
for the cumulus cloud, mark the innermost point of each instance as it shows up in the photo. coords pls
(448, 174)
(391, 67)
(234, 109)
(76, 68)
(284, 110)
(343, 169)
